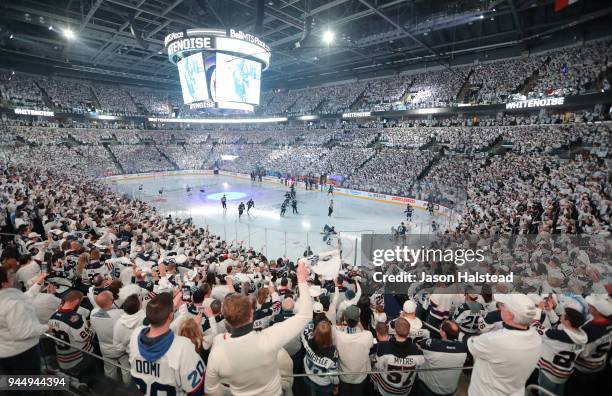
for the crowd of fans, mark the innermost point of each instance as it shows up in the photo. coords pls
(568, 71)
(574, 71)
(174, 308)
(180, 309)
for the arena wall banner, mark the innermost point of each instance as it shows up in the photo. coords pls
(392, 199)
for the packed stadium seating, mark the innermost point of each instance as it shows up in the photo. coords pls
(569, 71)
(539, 175)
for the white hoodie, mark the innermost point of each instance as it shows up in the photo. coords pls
(20, 329)
(125, 327)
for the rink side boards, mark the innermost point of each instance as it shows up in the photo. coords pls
(392, 199)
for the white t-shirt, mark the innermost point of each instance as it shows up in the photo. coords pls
(27, 272)
(503, 361)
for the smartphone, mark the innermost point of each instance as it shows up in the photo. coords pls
(186, 293)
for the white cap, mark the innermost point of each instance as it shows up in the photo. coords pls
(601, 302)
(317, 307)
(521, 306)
(409, 306)
(578, 304)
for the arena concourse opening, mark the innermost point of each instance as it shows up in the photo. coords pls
(305, 197)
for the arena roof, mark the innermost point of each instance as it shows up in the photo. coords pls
(120, 40)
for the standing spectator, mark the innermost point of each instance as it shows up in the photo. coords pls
(68, 325)
(562, 345)
(590, 372)
(246, 360)
(161, 360)
(131, 318)
(440, 354)
(321, 358)
(504, 359)
(20, 329)
(398, 357)
(103, 320)
(353, 345)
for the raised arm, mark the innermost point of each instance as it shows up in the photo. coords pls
(277, 336)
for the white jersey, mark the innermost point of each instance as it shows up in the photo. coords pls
(468, 318)
(593, 358)
(560, 348)
(178, 371)
(489, 322)
(94, 269)
(70, 327)
(401, 358)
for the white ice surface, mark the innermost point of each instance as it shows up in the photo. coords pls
(265, 229)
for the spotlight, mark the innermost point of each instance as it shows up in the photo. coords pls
(328, 37)
(482, 17)
(50, 27)
(69, 34)
(11, 36)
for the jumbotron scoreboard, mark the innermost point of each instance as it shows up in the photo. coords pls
(217, 68)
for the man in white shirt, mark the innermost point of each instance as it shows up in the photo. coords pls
(504, 359)
(28, 270)
(353, 344)
(103, 321)
(246, 360)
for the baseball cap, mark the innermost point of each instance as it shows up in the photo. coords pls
(352, 313)
(409, 307)
(578, 304)
(349, 294)
(601, 302)
(521, 306)
(317, 307)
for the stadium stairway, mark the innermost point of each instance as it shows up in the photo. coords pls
(20, 139)
(465, 88)
(174, 164)
(406, 93)
(45, 95)
(319, 106)
(358, 102)
(499, 147)
(434, 161)
(429, 145)
(115, 160)
(95, 97)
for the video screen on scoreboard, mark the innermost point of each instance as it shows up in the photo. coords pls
(193, 79)
(238, 79)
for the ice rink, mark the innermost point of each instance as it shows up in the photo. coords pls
(264, 229)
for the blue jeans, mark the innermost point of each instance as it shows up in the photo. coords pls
(549, 385)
